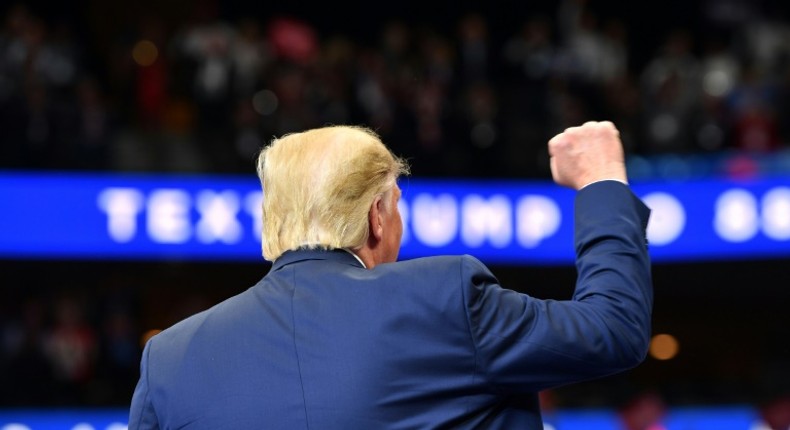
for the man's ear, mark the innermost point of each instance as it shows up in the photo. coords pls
(375, 218)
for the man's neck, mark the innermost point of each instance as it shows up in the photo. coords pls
(356, 256)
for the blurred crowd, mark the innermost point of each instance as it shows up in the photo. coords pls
(72, 334)
(61, 347)
(205, 93)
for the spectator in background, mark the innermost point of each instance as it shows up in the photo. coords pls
(207, 48)
(27, 374)
(584, 51)
(473, 49)
(478, 126)
(71, 347)
(670, 85)
(614, 51)
(93, 127)
(430, 93)
(529, 58)
(764, 43)
(754, 122)
(295, 50)
(383, 89)
(251, 55)
(334, 81)
(720, 72)
(118, 347)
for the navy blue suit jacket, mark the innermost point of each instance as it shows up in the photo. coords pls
(323, 343)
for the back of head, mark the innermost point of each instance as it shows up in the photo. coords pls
(318, 186)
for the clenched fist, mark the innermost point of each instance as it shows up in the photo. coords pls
(586, 154)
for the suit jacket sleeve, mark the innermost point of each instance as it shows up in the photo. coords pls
(524, 344)
(141, 412)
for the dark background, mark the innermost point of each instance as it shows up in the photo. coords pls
(730, 318)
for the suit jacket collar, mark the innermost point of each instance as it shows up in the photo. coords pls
(337, 255)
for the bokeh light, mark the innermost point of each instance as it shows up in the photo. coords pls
(145, 53)
(664, 347)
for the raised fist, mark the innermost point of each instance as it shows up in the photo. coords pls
(591, 152)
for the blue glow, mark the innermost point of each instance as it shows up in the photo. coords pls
(710, 418)
(158, 217)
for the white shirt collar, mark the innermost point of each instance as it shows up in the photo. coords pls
(355, 256)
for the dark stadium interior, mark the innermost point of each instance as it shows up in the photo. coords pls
(730, 318)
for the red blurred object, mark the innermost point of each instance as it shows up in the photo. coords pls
(756, 131)
(742, 166)
(643, 412)
(293, 39)
(152, 93)
(776, 413)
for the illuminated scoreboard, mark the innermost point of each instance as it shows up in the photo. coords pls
(156, 217)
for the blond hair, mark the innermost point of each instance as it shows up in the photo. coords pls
(318, 187)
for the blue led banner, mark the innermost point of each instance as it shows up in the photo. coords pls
(723, 418)
(155, 217)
